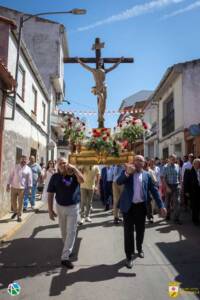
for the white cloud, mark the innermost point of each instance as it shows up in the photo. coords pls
(190, 7)
(133, 12)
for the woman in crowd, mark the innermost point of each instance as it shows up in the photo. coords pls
(50, 170)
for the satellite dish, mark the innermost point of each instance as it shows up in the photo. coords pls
(194, 130)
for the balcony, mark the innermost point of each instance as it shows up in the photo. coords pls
(168, 123)
(62, 143)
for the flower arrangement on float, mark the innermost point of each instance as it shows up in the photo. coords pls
(129, 131)
(75, 132)
(103, 143)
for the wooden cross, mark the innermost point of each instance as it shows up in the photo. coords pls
(99, 73)
(98, 45)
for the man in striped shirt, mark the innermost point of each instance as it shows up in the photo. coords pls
(171, 176)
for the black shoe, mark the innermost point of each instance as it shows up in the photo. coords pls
(117, 221)
(24, 209)
(151, 221)
(13, 216)
(67, 263)
(167, 218)
(129, 263)
(141, 254)
(19, 219)
(178, 222)
(107, 207)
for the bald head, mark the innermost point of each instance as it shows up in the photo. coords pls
(62, 162)
(196, 163)
(139, 162)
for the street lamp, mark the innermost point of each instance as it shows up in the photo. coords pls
(75, 11)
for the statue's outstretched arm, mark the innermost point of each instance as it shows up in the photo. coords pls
(115, 65)
(84, 65)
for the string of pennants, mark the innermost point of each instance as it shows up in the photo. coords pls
(109, 112)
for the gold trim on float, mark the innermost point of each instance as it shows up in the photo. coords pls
(90, 157)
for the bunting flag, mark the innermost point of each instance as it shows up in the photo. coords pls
(108, 112)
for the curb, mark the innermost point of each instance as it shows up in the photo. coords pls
(5, 237)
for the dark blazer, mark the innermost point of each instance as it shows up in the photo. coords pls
(191, 184)
(128, 192)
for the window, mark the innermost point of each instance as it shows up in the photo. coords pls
(33, 152)
(43, 113)
(62, 154)
(21, 83)
(165, 153)
(34, 101)
(178, 149)
(168, 121)
(18, 154)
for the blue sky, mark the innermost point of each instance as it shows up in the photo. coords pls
(157, 33)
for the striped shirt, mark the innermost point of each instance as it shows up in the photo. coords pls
(171, 174)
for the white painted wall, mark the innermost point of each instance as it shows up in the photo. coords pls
(191, 94)
(30, 81)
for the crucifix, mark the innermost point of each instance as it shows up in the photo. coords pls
(99, 74)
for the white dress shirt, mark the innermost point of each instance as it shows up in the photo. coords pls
(20, 177)
(137, 188)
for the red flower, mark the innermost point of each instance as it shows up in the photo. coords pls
(120, 125)
(133, 122)
(98, 134)
(104, 138)
(145, 125)
(125, 144)
(108, 134)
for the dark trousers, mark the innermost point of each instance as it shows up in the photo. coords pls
(195, 206)
(108, 194)
(149, 209)
(134, 220)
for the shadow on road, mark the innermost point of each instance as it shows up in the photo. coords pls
(184, 254)
(92, 274)
(29, 257)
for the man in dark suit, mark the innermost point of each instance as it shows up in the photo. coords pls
(192, 189)
(133, 204)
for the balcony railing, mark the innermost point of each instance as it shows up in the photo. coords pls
(168, 123)
(62, 143)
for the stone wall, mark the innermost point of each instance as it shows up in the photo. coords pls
(11, 141)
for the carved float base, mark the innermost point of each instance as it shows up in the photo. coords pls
(89, 157)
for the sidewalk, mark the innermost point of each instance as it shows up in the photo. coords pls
(9, 227)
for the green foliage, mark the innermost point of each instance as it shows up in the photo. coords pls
(131, 133)
(100, 145)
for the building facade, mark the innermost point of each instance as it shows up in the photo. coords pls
(27, 126)
(46, 42)
(178, 98)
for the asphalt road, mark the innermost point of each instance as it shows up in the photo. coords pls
(32, 258)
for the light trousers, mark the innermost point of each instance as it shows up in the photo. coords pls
(68, 218)
(86, 202)
(117, 190)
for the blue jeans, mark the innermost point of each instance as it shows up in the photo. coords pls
(28, 198)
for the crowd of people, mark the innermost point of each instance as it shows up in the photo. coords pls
(135, 191)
